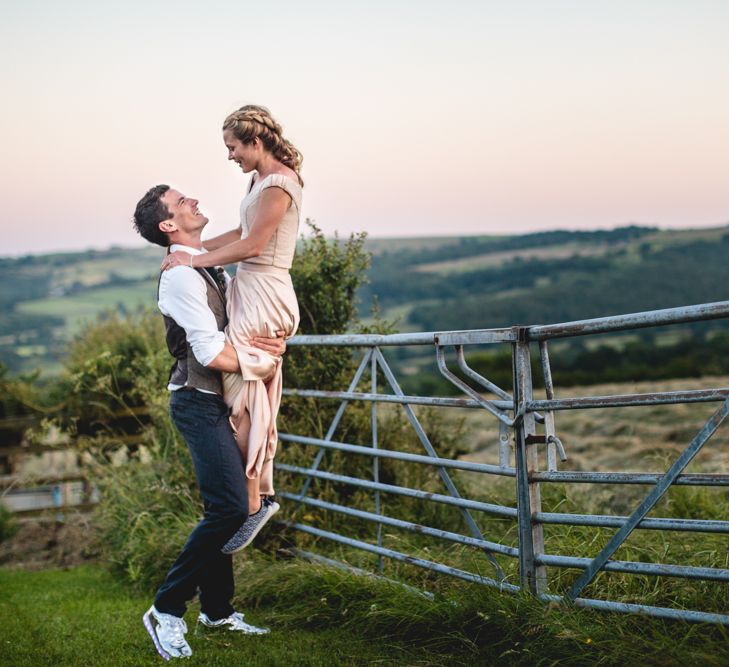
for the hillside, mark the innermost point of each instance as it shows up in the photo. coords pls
(423, 284)
(45, 299)
(549, 277)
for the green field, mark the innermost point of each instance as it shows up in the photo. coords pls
(97, 272)
(79, 308)
(322, 616)
(83, 616)
(378, 246)
(493, 259)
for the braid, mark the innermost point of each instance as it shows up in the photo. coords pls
(251, 121)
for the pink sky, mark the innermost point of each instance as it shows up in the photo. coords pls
(414, 119)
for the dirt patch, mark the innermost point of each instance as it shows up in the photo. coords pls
(45, 543)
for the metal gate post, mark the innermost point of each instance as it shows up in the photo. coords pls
(533, 577)
(376, 459)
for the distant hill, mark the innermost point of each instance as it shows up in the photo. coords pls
(45, 299)
(482, 282)
(425, 283)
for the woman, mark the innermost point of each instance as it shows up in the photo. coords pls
(261, 298)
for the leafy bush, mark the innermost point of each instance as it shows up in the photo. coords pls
(19, 396)
(110, 368)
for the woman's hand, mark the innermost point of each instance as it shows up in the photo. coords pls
(275, 346)
(179, 258)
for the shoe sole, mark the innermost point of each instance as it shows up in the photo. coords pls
(275, 507)
(153, 635)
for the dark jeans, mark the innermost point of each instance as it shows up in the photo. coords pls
(202, 419)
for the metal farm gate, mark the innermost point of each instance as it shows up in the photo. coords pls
(530, 423)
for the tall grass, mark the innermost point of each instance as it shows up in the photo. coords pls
(471, 624)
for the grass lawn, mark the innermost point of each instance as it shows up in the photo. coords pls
(83, 616)
(327, 616)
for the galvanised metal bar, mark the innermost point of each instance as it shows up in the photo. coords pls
(457, 382)
(549, 429)
(631, 400)
(476, 336)
(433, 401)
(376, 460)
(504, 451)
(565, 562)
(337, 417)
(488, 508)
(607, 521)
(381, 519)
(650, 500)
(480, 379)
(396, 555)
(400, 456)
(533, 576)
(506, 403)
(633, 567)
(577, 403)
(692, 479)
(651, 318)
(363, 340)
(425, 441)
(642, 609)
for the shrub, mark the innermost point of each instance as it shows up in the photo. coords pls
(111, 367)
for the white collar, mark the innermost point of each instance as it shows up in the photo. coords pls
(191, 251)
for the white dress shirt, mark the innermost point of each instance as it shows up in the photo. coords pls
(183, 296)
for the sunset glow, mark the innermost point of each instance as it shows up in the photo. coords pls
(413, 118)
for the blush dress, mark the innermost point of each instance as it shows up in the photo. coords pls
(261, 301)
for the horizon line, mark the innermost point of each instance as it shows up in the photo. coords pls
(657, 227)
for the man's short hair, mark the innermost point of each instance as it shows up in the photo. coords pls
(150, 211)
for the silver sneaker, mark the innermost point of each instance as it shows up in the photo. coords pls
(167, 633)
(252, 526)
(234, 622)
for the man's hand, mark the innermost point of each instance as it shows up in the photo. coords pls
(275, 346)
(178, 258)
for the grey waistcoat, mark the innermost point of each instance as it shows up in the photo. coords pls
(187, 370)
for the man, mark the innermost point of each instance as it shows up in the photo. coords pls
(192, 302)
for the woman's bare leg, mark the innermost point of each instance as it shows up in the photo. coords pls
(254, 495)
(242, 428)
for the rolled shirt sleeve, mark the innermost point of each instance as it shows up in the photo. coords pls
(183, 297)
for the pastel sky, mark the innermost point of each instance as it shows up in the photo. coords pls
(414, 118)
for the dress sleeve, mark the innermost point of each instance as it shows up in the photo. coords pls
(290, 187)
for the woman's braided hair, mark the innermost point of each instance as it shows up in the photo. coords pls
(251, 121)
